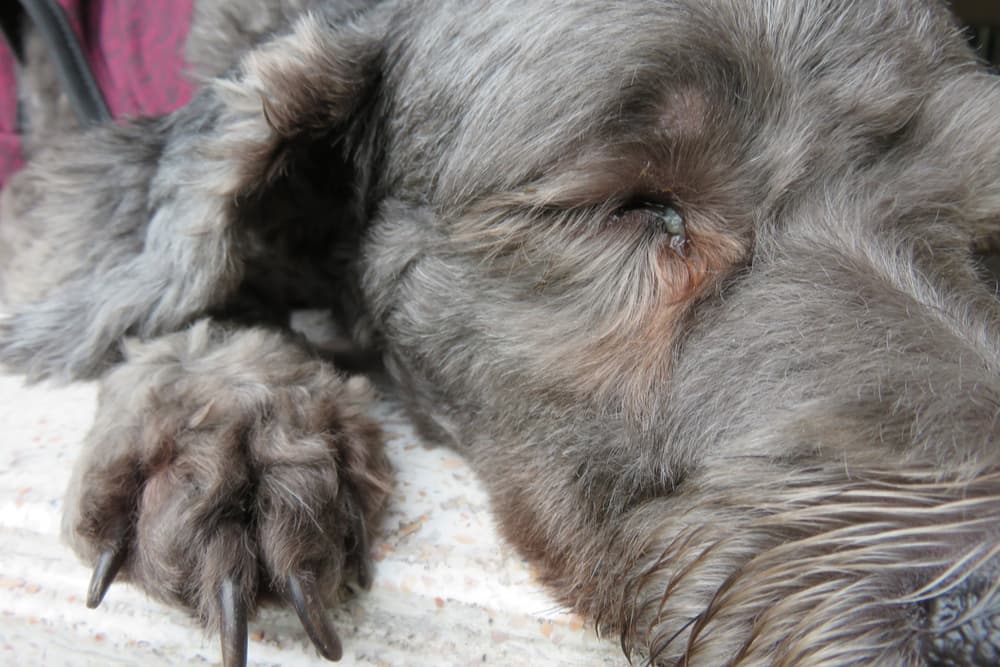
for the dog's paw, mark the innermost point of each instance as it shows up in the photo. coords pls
(229, 469)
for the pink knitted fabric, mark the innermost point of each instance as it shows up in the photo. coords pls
(136, 51)
(11, 158)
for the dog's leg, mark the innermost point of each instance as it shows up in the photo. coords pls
(145, 226)
(229, 463)
(225, 467)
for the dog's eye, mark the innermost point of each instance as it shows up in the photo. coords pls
(661, 218)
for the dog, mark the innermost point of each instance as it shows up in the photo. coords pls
(694, 286)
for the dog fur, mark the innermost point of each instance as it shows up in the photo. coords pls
(769, 439)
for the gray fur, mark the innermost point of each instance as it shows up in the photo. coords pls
(775, 448)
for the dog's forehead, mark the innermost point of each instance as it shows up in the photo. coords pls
(519, 80)
(512, 87)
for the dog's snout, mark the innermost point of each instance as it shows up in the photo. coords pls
(962, 626)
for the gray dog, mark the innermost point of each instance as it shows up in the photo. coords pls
(691, 283)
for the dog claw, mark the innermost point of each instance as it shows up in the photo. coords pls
(309, 606)
(105, 571)
(233, 625)
(362, 548)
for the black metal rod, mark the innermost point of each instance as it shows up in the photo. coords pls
(71, 66)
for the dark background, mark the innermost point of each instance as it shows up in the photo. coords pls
(983, 19)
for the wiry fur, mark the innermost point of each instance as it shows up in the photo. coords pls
(776, 448)
(286, 432)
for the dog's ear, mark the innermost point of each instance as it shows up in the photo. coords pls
(139, 228)
(315, 85)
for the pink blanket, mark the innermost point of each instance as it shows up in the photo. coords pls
(135, 49)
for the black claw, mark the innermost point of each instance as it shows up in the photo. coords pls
(108, 565)
(232, 625)
(309, 606)
(363, 553)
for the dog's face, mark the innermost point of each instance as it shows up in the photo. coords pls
(690, 282)
(718, 252)
(579, 194)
